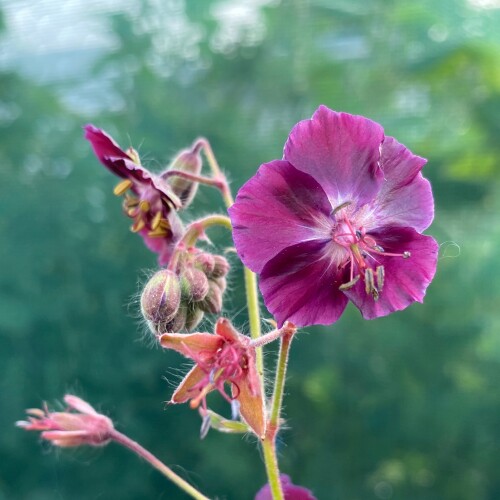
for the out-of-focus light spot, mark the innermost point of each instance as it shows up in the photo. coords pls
(383, 490)
(484, 4)
(438, 33)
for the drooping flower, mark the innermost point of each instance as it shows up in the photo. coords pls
(79, 425)
(149, 199)
(225, 357)
(339, 218)
(290, 491)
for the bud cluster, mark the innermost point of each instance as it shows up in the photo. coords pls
(173, 301)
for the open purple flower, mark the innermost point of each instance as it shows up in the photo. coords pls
(338, 219)
(152, 205)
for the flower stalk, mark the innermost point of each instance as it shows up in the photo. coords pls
(132, 445)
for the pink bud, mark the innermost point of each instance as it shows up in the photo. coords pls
(160, 300)
(188, 161)
(194, 284)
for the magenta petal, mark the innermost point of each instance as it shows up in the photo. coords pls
(405, 198)
(277, 208)
(406, 280)
(301, 285)
(341, 151)
(103, 144)
(108, 152)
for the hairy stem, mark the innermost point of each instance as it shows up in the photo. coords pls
(217, 172)
(269, 444)
(125, 441)
(209, 181)
(194, 231)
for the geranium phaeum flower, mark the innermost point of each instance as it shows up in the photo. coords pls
(290, 491)
(339, 218)
(79, 425)
(152, 204)
(223, 357)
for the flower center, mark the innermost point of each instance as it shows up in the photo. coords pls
(361, 252)
(145, 209)
(227, 365)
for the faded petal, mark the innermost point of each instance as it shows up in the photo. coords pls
(406, 280)
(186, 391)
(301, 285)
(79, 404)
(226, 330)
(251, 405)
(278, 207)
(341, 151)
(405, 198)
(197, 346)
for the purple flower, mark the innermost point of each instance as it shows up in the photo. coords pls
(290, 491)
(152, 205)
(338, 219)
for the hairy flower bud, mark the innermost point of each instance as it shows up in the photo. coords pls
(212, 303)
(178, 323)
(205, 262)
(193, 317)
(189, 161)
(160, 300)
(221, 267)
(194, 284)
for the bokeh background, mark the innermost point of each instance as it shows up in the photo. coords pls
(404, 407)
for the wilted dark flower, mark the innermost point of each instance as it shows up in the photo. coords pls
(225, 357)
(77, 426)
(149, 199)
(339, 218)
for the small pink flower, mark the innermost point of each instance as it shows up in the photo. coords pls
(223, 357)
(152, 205)
(290, 491)
(79, 425)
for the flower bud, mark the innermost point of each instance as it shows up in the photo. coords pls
(193, 317)
(212, 303)
(205, 261)
(178, 323)
(160, 300)
(221, 267)
(194, 284)
(188, 161)
(221, 283)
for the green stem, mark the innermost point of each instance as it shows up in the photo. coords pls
(125, 441)
(252, 293)
(279, 382)
(269, 444)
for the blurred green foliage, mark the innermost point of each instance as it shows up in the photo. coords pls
(401, 407)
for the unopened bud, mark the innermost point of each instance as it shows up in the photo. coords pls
(193, 317)
(221, 267)
(160, 300)
(194, 284)
(178, 323)
(189, 161)
(212, 303)
(221, 283)
(205, 261)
